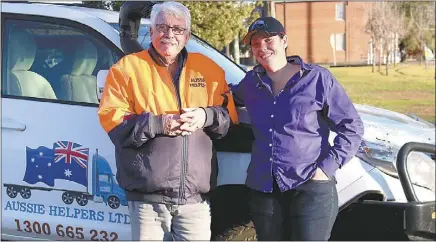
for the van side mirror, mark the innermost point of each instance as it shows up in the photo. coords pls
(101, 80)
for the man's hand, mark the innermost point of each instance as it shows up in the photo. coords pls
(319, 175)
(171, 124)
(192, 119)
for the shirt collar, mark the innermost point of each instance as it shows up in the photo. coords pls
(260, 72)
(160, 61)
(294, 59)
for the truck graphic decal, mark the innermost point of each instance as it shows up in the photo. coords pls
(70, 161)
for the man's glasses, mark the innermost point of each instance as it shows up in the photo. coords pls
(163, 28)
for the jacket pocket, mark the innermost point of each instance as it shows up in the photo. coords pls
(148, 169)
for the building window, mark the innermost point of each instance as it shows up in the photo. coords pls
(340, 11)
(340, 41)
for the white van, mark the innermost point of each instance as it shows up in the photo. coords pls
(58, 165)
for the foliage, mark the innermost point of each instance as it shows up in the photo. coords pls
(96, 4)
(116, 5)
(413, 44)
(421, 17)
(218, 22)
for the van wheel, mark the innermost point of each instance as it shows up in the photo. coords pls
(113, 202)
(82, 200)
(230, 214)
(26, 193)
(67, 198)
(11, 191)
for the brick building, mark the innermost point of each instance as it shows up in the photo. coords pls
(310, 26)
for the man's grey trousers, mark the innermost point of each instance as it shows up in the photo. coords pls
(156, 221)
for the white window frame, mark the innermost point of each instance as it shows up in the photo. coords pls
(340, 42)
(340, 12)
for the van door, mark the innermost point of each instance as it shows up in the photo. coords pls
(53, 147)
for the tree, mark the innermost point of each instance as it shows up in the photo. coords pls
(422, 26)
(110, 5)
(116, 5)
(96, 4)
(219, 22)
(385, 25)
(373, 28)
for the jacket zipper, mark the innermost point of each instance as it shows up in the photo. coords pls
(184, 147)
(184, 142)
(183, 169)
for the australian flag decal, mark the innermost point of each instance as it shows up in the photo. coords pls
(66, 160)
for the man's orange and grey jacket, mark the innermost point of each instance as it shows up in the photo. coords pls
(151, 166)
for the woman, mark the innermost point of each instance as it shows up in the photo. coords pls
(293, 106)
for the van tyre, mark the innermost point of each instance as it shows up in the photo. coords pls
(230, 214)
(113, 202)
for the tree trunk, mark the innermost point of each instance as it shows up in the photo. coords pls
(421, 47)
(236, 50)
(387, 63)
(373, 58)
(394, 47)
(227, 49)
(379, 60)
(266, 8)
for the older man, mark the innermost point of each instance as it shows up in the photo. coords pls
(161, 107)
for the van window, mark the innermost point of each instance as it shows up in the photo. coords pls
(52, 61)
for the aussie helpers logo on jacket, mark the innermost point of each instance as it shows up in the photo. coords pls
(197, 82)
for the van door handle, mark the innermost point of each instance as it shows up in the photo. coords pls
(11, 124)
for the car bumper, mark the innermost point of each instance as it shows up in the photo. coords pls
(416, 219)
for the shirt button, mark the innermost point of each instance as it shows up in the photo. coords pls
(275, 102)
(270, 145)
(270, 130)
(272, 115)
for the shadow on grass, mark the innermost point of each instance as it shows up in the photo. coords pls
(383, 73)
(400, 72)
(396, 70)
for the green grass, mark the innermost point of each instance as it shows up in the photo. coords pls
(408, 88)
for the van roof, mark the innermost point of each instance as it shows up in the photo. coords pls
(71, 11)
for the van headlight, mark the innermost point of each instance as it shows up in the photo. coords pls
(421, 166)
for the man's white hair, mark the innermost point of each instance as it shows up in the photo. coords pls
(176, 9)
